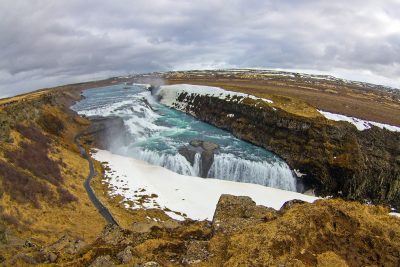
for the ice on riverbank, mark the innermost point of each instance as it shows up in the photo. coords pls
(196, 197)
(360, 124)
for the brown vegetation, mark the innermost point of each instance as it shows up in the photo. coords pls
(33, 156)
(33, 133)
(51, 124)
(64, 196)
(22, 187)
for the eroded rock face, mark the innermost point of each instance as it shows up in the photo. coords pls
(107, 132)
(206, 151)
(337, 159)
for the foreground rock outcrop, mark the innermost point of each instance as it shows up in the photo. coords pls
(337, 159)
(325, 233)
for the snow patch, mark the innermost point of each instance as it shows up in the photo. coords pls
(170, 93)
(298, 173)
(395, 214)
(184, 195)
(360, 124)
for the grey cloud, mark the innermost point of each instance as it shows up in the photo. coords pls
(45, 42)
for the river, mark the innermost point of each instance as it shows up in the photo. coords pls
(156, 132)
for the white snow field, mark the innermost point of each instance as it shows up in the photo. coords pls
(360, 124)
(196, 197)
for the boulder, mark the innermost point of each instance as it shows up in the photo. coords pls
(189, 153)
(113, 235)
(67, 245)
(197, 251)
(237, 212)
(102, 261)
(125, 256)
(206, 151)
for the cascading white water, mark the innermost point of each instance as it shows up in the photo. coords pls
(176, 163)
(196, 164)
(229, 167)
(226, 167)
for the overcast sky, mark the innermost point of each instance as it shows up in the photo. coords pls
(46, 42)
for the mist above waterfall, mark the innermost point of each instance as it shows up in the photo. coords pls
(154, 133)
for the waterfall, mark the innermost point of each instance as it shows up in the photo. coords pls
(226, 167)
(197, 164)
(176, 163)
(272, 174)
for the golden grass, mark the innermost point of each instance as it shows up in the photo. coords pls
(24, 97)
(345, 229)
(49, 222)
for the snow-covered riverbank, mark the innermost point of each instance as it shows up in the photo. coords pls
(196, 197)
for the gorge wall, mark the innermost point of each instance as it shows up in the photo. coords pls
(338, 160)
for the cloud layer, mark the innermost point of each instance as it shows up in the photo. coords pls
(46, 42)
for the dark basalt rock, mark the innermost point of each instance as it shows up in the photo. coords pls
(289, 204)
(206, 150)
(189, 153)
(338, 159)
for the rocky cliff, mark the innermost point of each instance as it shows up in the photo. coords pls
(337, 159)
(326, 233)
(106, 132)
